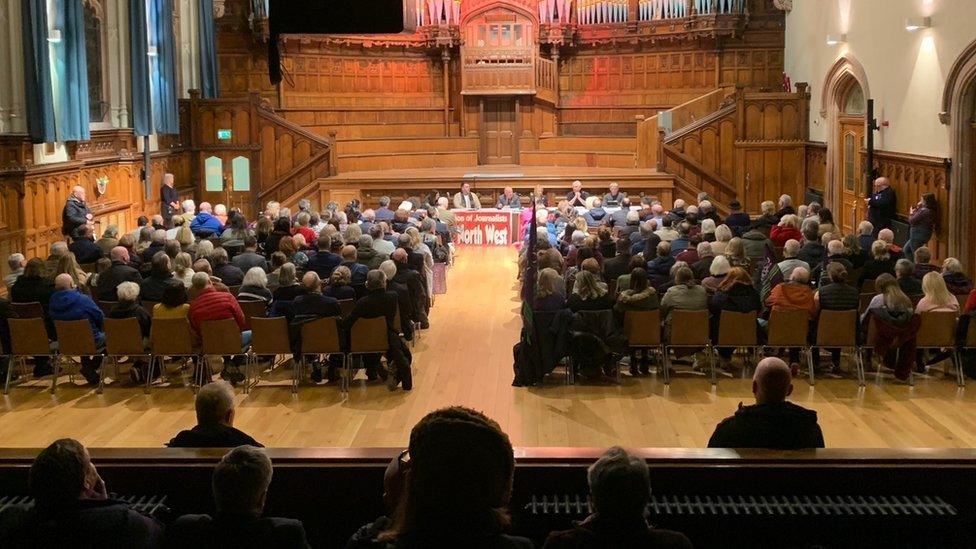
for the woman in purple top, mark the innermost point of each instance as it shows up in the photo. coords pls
(922, 223)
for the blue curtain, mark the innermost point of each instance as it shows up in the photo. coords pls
(37, 72)
(138, 46)
(73, 115)
(165, 100)
(209, 81)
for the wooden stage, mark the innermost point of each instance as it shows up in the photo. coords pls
(466, 358)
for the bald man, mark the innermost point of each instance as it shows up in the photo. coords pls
(75, 213)
(881, 205)
(509, 199)
(772, 422)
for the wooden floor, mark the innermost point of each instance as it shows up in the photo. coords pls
(466, 358)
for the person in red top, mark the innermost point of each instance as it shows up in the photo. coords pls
(788, 228)
(302, 227)
(209, 304)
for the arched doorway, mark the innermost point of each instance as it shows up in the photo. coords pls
(959, 113)
(844, 104)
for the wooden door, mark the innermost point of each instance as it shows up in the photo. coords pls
(499, 131)
(851, 173)
(227, 180)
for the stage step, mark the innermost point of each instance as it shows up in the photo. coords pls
(406, 160)
(581, 159)
(406, 145)
(593, 143)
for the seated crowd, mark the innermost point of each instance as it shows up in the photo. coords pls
(644, 257)
(202, 265)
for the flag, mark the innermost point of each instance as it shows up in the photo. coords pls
(529, 276)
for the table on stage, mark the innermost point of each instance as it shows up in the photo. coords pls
(487, 227)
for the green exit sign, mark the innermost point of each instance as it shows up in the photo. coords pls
(224, 135)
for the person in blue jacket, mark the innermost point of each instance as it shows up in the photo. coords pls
(68, 303)
(205, 225)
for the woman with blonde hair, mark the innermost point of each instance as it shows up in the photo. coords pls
(548, 296)
(183, 268)
(288, 287)
(185, 237)
(896, 325)
(589, 294)
(67, 264)
(723, 234)
(708, 229)
(417, 243)
(352, 234)
(340, 284)
(204, 250)
(735, 252)
(937, 297)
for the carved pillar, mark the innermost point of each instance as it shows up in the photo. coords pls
(555, 85)
(117, 13)
(12, 119)
(446, 62)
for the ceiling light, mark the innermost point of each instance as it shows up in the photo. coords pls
(834, 39)
(913, 24)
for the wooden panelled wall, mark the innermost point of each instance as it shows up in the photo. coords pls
(33, 196)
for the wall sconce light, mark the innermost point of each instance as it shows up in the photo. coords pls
(834, 39)
(153, 52)
(913, 24)
(54, 36)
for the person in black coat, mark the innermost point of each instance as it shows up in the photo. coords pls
(170, 198)
(309, 306)
(736, 294)
(72, 507)
(118, 273)
(228, 273)
(881, 205)
(415, 285)
(75, 213)
(881, 262)
(619, 264)
(152, 287)
(84, 247)
(773, 422)
(240, 490)
(376, 303)
(415, 260)
(406, 304)
(215, 421)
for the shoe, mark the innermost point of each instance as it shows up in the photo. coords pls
(392, 382)
(90, 374)
(316, 374)
(634, 372)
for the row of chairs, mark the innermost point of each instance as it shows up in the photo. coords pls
(173, 338)
(786, 329)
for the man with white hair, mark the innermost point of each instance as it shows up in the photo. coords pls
(615, 197)
(189, 210)
(865, 237)
(836, 253)
(785, 206)
(630, 225)
(645, 239)
(702, 267)
(772, 422)
(76, 213)
(706, 210)
(67, 303)
(889, 236)
(16, 263)
(577, 196)
(205, 225)
(790, 261)
(215, 421)
(240, 490)
(508, 199)
(220, 212)
(881, 204)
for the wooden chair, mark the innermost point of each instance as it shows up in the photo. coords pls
(220, 338)
(321, 337)
(28, 338)
(643, 331)
(123, 337)
(738, 330)
(789, 329)
(106, 306)
(838, 330)
(253, 309)
(173, 338)
(689, 329)
(368, 336)
(75, 339)
(346, 306)
(269, 337)
(32, 309)
(937, 330)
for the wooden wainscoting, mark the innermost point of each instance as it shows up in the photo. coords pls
(816, 165)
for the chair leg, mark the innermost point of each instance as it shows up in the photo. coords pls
(56, 361)
(152, 368)
(960, 376)
(859, 354)
(665, 364)
(101, 374)
(10, 368)
(711, 364)
(809, 352)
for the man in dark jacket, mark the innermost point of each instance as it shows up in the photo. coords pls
(215, 421)
(619, 264)
(350, 260)
(738, 220)
(152, 287)
(312, 305)
(324, 261)
(703, 266)
(620, 488)
(414, 283)
(773, 422)
(249, 257)
(596, 216)
(415, 260)
(223, 269)
(158, 244)
(72, 507)
(812, 251)
(408, 307)
(240, 489)
(881, 205)
(119, 272)
(84, 247)
(75, 213)
(379, 302)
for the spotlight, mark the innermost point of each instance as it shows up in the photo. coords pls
(913, 24)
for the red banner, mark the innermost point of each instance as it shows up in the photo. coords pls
(486, 227)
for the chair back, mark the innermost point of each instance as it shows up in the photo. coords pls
(28, 337)
(369, 336)
(689, 328)
(321, 336)
(737, 329)
(171, 336)
(269, 336)
(253, 309)
(642, 328)
(863, 300)
(234, 290)
(28, 310)
(123, 336)
(75, 338)
(221, 337)
(867, 287)
(107, 306)
(937, 329)
(837, 329)
(788, 328)
(346, 305)
(149, 306)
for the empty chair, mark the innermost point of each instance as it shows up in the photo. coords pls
(838, 330)
(367, 336)
(738, 330)
(320, 337)
(219, 338)
(123, 337)
(643, 331)
(936, 331)
(171, 338)
(269, 337)
(28, 337)
(689, 330)
(789, 329)
(75, 339)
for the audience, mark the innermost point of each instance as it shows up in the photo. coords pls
(215, 421)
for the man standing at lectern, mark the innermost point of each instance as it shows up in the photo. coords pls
(577, 196)
(466, 199)
(881, 205)
(75, 213)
